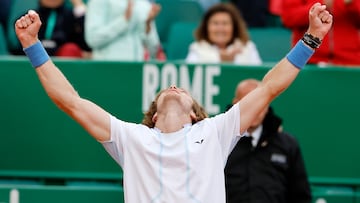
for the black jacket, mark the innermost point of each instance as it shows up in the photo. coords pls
(255, 12)
(272, 172)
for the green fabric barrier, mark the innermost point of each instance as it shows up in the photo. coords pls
(357, 195)
(60, 194)
(3, 45)
(274, 38)
(332, 194)
(320, 108)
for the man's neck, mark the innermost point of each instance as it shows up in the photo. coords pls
(172, 122)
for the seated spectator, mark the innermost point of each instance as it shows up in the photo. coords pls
(342, 45)
(266, 165)
(122, 30)
(221, 37)
(62, 32)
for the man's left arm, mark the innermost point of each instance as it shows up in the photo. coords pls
(280, 77)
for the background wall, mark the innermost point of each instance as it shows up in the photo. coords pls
(321, 109)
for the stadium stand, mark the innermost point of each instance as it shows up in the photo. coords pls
(272, 42)
(181, 35)
(60, 194)
(19, 7)
(174, 11)
(3, 43)
(332, 194)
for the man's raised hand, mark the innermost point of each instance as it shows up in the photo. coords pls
(27, 28)
(320, 21)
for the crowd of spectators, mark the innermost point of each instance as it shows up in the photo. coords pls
(127, 30)
(342, 45)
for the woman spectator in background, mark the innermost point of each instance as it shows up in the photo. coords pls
(342, 45)
(122, 30)
(222, 37)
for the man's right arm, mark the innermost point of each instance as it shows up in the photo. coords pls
(90, 116)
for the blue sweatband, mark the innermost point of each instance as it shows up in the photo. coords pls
(299, 55)
(37, 54)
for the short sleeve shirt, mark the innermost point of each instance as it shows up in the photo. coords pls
(184, 166)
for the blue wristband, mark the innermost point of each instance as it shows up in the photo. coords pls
(37, 54)
(299, 55)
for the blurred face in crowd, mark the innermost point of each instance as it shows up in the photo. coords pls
(51, 3)
(220, 29)
(244, 88)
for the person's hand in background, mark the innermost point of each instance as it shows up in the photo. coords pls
(129, 9)
(154, 11)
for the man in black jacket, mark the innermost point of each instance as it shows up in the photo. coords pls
(62, 31)
(266, 165)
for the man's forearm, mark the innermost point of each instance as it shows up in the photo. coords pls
(280, 77)
(57, 86)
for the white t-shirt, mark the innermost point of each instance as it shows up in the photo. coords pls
(180, 167)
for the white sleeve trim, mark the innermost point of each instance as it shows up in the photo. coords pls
(111, 134)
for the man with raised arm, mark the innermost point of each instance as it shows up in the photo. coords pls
(177, 154)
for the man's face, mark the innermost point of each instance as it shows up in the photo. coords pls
(242, 90)
(178, 97)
